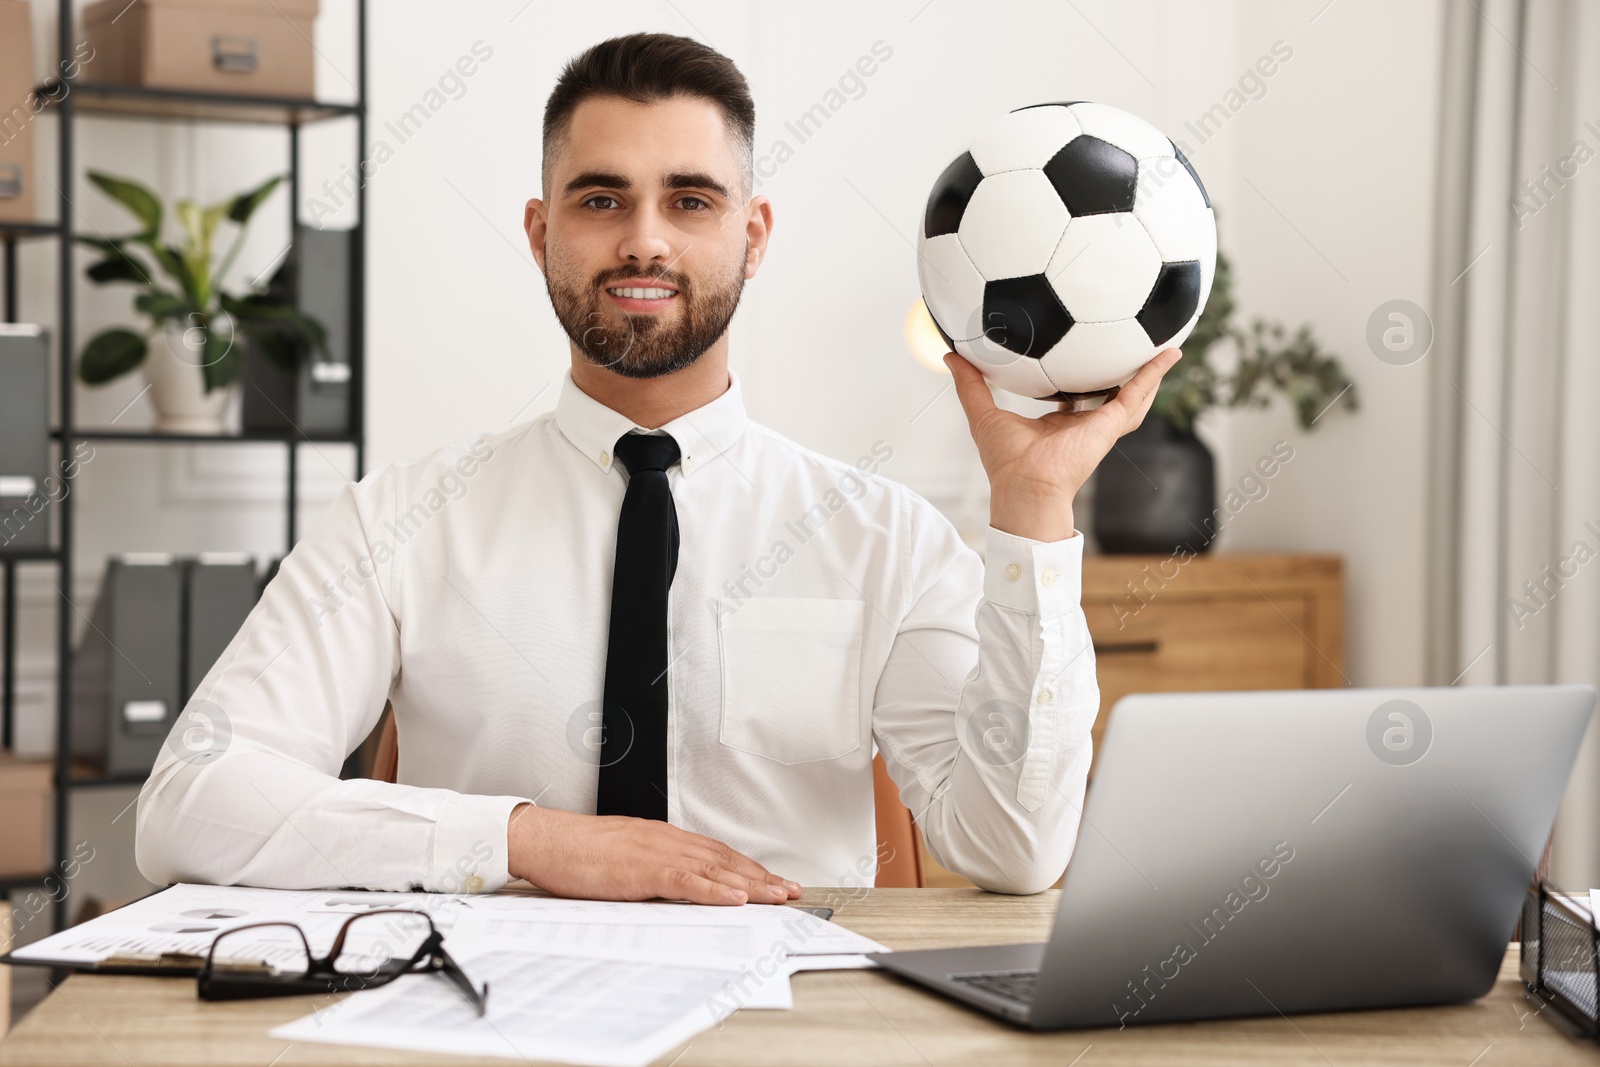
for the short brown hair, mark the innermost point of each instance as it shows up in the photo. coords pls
(645, 68)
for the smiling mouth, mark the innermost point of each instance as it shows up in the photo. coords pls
(641, 297)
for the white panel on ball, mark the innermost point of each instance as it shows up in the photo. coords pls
(1208, 256)
(1023, 139)
(1174, 212)
(1104, 267)
(1022, 376)
(1012, 224)
(951, 286)
(1128, 132)
(1098, 355)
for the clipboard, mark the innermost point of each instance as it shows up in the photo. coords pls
(158, 965)
(171, 964)
(826, 914)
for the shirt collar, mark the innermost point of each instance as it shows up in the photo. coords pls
(702, 434)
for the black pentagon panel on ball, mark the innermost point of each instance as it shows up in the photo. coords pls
(1048, 103)
(1093, 177)
(948, 201)
(1024, 315)
(1190, 168)
(1173, 301)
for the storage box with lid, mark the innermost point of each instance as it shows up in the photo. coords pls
(25, 788)
(18, 178)
(249, 47)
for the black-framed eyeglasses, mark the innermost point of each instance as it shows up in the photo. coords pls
(274, 959)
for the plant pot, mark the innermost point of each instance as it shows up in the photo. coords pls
(177, 388)
(1156, 492)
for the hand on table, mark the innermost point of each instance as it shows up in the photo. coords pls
(614, 857)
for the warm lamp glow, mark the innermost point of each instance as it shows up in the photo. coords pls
(922, 337)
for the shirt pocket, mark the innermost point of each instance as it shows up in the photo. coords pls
(791, 677)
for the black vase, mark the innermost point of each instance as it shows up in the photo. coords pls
(1156, 492)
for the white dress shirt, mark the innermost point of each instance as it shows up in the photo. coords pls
(818, 610)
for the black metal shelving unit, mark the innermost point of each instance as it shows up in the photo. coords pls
(67, 100)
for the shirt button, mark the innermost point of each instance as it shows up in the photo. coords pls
(605, 459)
(474, 884)
(1048, 577)
(1045, 696)
(688, 464)
(1013, 571)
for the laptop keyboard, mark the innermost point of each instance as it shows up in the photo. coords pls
(1013, 985)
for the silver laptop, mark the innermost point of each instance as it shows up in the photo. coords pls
(1265, 852)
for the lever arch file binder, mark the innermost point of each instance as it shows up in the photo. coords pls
(127, 688)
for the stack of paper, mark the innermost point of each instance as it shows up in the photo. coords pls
(592, 982)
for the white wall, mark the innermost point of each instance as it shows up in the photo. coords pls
(1327, 174)
(1339, 148)
(1329, 213)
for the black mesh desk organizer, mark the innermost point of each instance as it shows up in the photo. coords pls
(1559, 960)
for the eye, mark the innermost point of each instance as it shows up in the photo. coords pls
(704, 205)
(597, 196)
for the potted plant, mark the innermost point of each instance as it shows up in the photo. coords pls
(188, 352)
(1156, 492)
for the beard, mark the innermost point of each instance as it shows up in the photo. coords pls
(644, 344)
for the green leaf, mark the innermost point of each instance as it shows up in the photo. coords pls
(173, 263)
(196, 251)
(110, 354)
(189, 217)
(256, 307)
(163, 306)
(244, 205)
(281, 351)
(211, 218)
(133, 269)
(120, 269)
(264, 315)
(223, 360)
(139, 201)
(108, 246)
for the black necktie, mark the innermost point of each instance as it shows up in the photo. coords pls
(633, 747)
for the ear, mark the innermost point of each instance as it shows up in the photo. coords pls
(534, 223)
(758, 231)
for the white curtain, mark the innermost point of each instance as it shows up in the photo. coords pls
(1514, 515)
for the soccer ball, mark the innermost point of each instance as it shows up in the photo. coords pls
(1064, 248)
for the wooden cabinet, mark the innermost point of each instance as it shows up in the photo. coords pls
(1216, 622)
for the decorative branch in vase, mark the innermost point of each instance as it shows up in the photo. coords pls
(1156, 492)
(188, 352)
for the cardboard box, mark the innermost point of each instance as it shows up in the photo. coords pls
(25, 792)
(18, 202)
(250, 47)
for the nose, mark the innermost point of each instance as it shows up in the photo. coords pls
(646, 237)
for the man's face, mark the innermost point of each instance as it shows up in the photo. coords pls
(646, 197)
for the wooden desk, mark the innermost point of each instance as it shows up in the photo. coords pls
(840, 1018)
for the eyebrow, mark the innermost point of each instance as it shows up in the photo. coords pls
(605, 179)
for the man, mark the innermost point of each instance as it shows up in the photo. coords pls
(640, 646)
